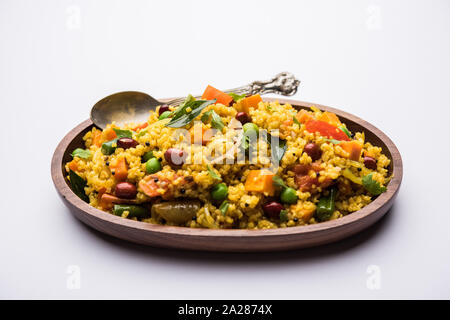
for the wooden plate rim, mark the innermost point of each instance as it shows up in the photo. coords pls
(392, 189)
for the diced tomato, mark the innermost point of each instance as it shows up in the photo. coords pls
(326, 130)
(305, 182)
(301, 169)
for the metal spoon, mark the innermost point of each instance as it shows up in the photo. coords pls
(133, 107)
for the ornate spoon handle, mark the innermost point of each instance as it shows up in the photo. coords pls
(283, 83)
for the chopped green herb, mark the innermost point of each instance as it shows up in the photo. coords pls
(284, 216)
(224, 207)
(278, 182)
(205, 117)
(81, 153)
(236, 97)
(216, 120)
(245, 143)
(78, 184)
(123, 133)
(333, 141)
(141, 133)
(296, 121)
(278, 151)
(213, 174)
(372, 186)
(346, 131)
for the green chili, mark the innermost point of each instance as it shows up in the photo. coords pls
(109, 147)
(325, 207)
(346, 131)
(133, 210)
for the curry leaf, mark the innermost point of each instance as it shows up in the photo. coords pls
(278, 151)
(78, 184)
(216, 121)
(81, 153)
(183, 117)
(245, 142)
(236, 97)
(181, 110)
(205, 117)
(123, 133)
(212, 173)
(333, 141)
(372, 186)
(278, 182)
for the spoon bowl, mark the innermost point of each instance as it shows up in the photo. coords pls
(123, 107)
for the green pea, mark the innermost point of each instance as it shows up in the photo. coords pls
(219, 192)
(134, 211)
(152, 166)
(250, 127)
(147, 156)
(288, 195)
(165, 115)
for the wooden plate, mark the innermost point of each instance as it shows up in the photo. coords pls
(232, 240)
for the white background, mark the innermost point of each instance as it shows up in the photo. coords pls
(385, 61)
